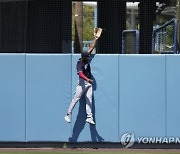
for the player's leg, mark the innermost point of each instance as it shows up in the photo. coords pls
(88, 97)
(77, 96)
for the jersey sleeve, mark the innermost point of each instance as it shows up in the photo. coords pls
(79, 67)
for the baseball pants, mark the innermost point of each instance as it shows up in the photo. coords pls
(83, 87)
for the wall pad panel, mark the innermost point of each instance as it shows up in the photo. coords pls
(48, 89)
(12, 97)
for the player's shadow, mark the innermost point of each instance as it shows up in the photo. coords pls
(81, 120)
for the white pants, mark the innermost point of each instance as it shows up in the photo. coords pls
(85, 88)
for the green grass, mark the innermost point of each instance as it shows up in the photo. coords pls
(92, 152)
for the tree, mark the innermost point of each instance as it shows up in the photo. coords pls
(78, 25)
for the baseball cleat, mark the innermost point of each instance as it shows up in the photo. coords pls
(90, 120)
(68, 118)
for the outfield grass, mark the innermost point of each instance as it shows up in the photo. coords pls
(92, 152)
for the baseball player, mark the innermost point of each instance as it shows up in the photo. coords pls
(84, 86)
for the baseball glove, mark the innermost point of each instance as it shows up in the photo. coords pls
(97, 32)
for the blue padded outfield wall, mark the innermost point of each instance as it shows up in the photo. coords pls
(132, 93)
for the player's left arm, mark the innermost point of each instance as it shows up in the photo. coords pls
(92, 46)
(97, 34)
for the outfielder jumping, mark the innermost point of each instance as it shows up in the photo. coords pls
(84, 86)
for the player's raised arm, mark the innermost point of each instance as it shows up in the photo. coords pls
(97, 34)
(93, 44)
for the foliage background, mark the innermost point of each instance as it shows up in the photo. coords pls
(88, 23)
